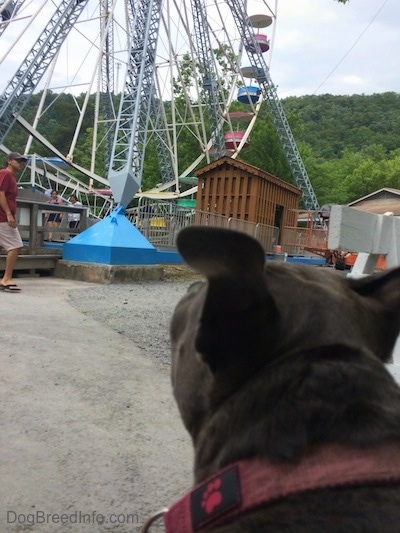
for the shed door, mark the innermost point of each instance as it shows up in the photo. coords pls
(278, 219)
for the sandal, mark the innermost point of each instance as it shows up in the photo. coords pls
(10, 288)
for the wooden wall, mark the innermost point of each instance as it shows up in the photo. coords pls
(235, 189)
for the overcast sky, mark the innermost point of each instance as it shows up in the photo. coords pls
(322, 47)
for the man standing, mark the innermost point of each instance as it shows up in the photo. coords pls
(10, 238)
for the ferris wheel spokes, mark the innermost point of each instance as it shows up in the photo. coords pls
(186, 84)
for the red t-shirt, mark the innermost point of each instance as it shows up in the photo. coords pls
(8, 184)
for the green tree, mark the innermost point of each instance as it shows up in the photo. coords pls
(371, 175)
(265, 149)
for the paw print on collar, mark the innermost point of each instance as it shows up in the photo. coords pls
(215, 497)
(212, 497)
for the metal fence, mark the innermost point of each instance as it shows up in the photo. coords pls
(300, 240)
(268, 236)
(160, 223)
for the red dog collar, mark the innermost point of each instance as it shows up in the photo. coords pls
(252, 483)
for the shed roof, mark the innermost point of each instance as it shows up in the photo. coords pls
(379, 202)
(251, 169)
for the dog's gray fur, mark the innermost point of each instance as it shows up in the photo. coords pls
(270, 359)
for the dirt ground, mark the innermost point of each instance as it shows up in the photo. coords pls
(90, 436)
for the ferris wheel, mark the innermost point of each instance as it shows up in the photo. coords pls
(166, 76)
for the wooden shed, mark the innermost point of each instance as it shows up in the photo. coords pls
(232, 188)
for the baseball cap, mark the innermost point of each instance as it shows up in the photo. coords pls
(17, 156)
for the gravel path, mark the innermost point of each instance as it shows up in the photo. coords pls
(139, 311)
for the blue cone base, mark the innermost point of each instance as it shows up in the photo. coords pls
(111, 241)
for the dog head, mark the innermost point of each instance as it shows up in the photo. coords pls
(249, 315)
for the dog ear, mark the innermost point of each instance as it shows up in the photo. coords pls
(384, 286)
(382, 295)
(237, 305)
(219, 252)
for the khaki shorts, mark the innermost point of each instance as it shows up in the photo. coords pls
(10, 238)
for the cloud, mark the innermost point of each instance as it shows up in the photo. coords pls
(322, 46)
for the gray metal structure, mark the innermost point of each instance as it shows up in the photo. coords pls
(34, 66)
(209, 76)
(107, 80)
(8, 10)
(126, 166)
(162, 141)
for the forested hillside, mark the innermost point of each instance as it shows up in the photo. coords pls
(331, 124)
(350, 145)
